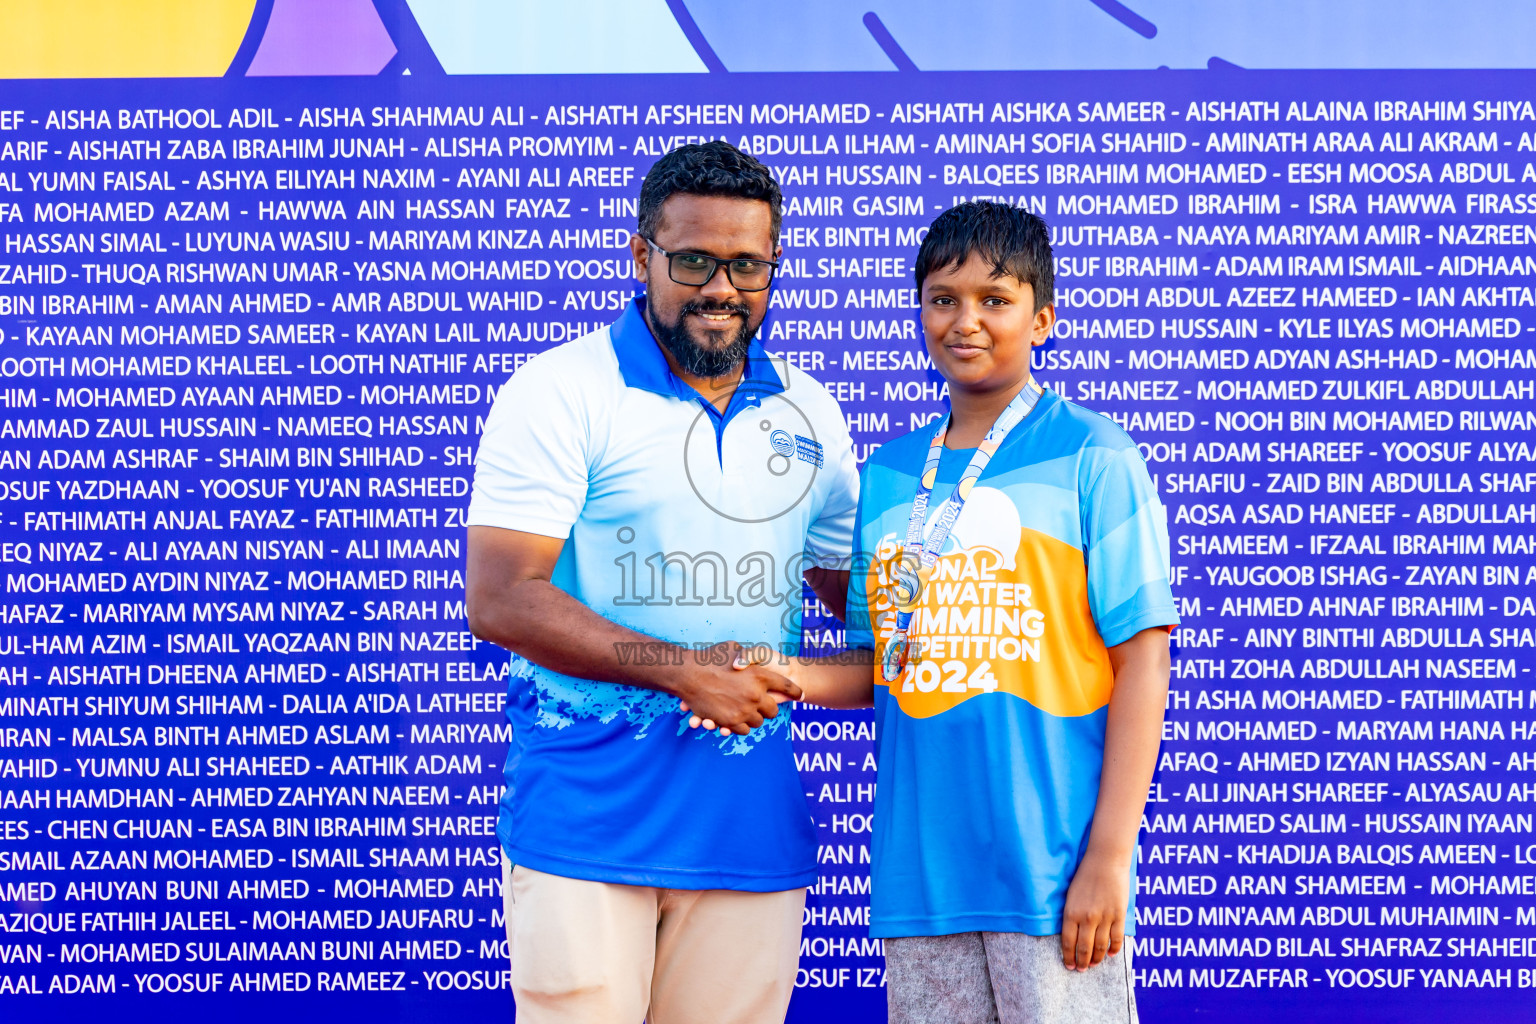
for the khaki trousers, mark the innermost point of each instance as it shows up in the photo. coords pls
(600, 953)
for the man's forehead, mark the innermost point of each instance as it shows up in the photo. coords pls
(726, 222)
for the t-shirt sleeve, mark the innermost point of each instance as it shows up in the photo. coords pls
(1126, 546)
(531, 470)
(858, 632)
(831, 536)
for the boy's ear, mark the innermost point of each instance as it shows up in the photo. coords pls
(1045, 319)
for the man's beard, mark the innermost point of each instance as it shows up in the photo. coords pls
(695, 359)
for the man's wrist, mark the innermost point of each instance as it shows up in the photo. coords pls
(655, 664)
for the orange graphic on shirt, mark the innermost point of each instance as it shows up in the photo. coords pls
(991, 621)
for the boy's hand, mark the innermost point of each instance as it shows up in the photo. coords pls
(746, 657)
(1093, 921)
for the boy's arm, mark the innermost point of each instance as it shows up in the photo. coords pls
(1093, 922)
(842, 680)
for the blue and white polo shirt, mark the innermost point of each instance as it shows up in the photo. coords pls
(687, 525)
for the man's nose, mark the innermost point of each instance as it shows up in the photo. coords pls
(719, 286)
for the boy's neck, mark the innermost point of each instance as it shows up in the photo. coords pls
(972, 413)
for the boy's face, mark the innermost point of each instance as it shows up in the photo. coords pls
(980, 329)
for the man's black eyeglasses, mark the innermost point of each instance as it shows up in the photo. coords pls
(696, 269)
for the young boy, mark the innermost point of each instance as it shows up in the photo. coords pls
(1017, 657)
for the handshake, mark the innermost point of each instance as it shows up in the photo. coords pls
(740, 696)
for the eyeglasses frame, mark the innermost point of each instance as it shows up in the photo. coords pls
(773, 268)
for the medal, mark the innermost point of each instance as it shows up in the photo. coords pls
(895, 659)
(910, 573)
(907, 589)
(900, 651)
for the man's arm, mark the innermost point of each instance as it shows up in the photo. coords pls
(1093, 922)
(511, 603)
(831, 586)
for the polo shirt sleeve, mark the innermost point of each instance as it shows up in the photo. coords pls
(532, 468)
(1126, 546)
(830, 538)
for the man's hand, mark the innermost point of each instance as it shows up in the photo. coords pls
(727, 688)
(511, 602)
(746, 658)
(843, 680)
(1093, 921)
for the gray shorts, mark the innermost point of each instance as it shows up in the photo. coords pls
(1002, 978)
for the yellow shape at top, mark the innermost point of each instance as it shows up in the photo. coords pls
(120, 38)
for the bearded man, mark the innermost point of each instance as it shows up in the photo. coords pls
(647, 498)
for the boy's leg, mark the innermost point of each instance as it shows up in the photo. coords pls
(938, 979)
(725, 957)
(582, 952)
(1032, 986)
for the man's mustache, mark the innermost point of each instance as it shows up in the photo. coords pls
(711, 306)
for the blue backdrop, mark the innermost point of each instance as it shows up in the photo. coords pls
(249, 327)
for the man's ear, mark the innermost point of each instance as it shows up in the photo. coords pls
(641, 251)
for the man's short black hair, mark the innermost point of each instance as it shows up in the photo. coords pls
(1014, 241)
(709, 169)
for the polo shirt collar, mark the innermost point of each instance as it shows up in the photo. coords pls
(643, 366)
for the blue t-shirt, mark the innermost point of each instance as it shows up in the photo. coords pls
(688, 526)
(990, 748)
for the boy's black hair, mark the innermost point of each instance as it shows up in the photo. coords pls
(1014, 241)
(709, 169)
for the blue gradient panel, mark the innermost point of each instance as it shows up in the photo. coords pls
(489, 37)
(830, 35)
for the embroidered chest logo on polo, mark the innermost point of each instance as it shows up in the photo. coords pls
(761, 467)
(796, 446)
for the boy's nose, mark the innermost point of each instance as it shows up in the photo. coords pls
(968, 322)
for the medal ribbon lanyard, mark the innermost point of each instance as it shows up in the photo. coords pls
(917, 558)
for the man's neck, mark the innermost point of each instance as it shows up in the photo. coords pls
(715, 390)
(971, 413)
